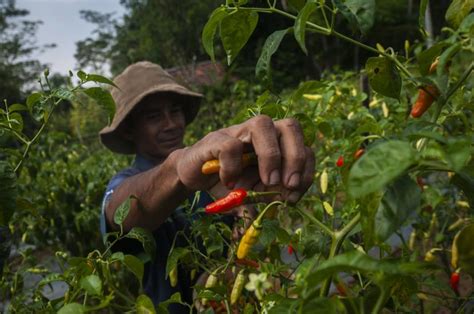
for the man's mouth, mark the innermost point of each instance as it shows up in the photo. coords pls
(170, 139)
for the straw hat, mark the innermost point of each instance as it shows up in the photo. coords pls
(136, 82)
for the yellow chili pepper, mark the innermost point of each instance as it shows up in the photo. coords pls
(253, 232)
(412, 240)
(248, 240)
(328, 208)
(174, 276)
(324, 181)
(238, 287)
(210, 282)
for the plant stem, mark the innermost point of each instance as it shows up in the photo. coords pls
(317, 222)
(316, 27)
(18, 135)
(336, 243)
(341, 235)
(323, 11)
(380, 301)
(459, 82)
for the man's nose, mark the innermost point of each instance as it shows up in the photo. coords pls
(169, 120)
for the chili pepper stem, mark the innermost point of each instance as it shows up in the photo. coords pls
(258, 221)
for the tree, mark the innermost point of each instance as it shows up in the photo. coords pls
(17, 43)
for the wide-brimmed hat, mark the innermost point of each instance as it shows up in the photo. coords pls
(135, 83)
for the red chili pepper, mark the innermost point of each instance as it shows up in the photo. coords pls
(233, 199)
(291, 249)
(247, 262)
(421, 183)
(454, 281)
(359, 153)
(340, 161)
(341, 289)
(427, 209)
(424, 100)
(222, 205)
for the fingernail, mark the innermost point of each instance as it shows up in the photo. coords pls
(294, 197)
(294, 181)
(274, 177)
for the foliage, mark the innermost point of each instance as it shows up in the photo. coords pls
(377, 237)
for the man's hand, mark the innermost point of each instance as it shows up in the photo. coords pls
(284, 163)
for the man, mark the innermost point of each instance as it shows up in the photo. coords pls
(152, 113)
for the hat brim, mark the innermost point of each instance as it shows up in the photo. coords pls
(110, 135)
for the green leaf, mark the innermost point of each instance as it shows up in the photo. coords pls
(263, 68)
(72, 308)
(308, 87)
(371, 203)
(458, 152)
(422, 13)
(236, 29)
(457, 11)
(17, 107)
(100, 79)
(175, 298)
(364, 12)
(426, 57)
(8, 192)
(103, 99)
(463, 249)
(359, 13)
(300, 23)
(144, 305)
(467, 24)
(33, 99)
(269, 232)
(355, 261)
(209, 31)
(384, 77)
(348, 15)
(122, 211)
(296, 5)
(64, 94)
(117, 256)
(82, 75)
(175, 255)
(309, 128)
(16, 121)
(146, 239)
(441, 70)
(379, 166)
(92, 284)
(464, 179)
(135, 266)
(401, 199)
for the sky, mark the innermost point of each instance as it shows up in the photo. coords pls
(63, 26)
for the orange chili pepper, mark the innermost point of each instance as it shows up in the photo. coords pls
(213, 166)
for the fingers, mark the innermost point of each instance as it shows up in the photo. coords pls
(260, 131)
(292, 151)
(307, 176)
(216, 145)
(284, 162)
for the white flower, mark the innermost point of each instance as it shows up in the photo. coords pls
(258, 283)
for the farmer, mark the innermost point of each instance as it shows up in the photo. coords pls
(152, 113)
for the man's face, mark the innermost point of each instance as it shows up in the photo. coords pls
(157, 125)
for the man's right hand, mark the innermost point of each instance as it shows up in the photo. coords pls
(283, 160)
